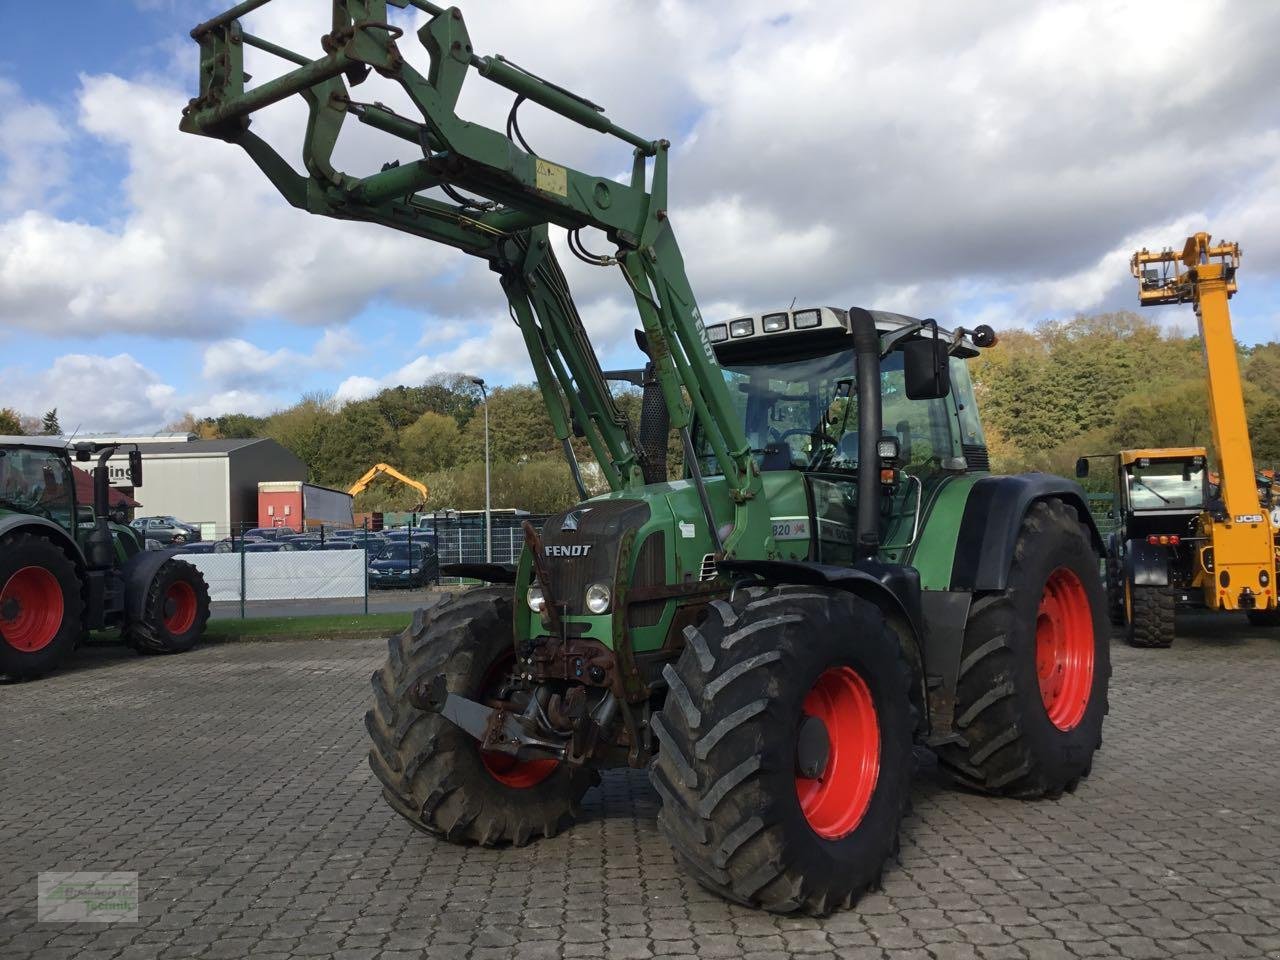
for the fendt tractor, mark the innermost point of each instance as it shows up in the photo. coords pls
(1183, 539)
(66, 569)
(835, 578)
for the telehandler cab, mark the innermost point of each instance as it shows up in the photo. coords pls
(66, 569)
(836, 578)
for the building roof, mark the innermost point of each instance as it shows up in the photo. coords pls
(198, 448)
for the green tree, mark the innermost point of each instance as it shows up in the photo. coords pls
(238, 426)
(49, 425)
(10, 422)
(356, 438)
(430, 443)
(302, 429)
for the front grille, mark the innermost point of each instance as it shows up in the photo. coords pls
(976, 456)
(651, 571)
(596, 527)
(709, 571)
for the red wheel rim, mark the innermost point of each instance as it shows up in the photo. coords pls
(1064, 648)
(506, 769)
(31, 609)
(835, 802)
(179, 607)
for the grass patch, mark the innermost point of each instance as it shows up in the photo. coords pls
(324, 627)
(318, 627)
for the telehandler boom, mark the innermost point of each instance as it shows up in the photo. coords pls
(837, 577)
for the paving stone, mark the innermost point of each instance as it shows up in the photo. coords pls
(258, 831)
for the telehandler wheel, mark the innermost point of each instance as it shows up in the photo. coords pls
(435, 775)
(784, 761)
(1264, 618)
(40, 606)
(1032, 691)
(1149, 616)
(174, 611)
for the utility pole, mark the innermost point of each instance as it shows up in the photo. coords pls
(488, 520)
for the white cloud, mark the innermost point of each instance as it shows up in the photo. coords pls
(908, 156)
(33, 161)
(96, 393)
(238, 364)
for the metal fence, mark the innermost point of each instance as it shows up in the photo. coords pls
(246, 565)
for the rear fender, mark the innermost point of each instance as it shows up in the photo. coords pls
(12, 524)
(1147, 564)
(893, 588)
(137, 574)
(993, 516)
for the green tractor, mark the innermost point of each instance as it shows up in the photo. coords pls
(66, 569)
(835, 578)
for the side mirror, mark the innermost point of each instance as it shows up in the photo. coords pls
(927, 370)
(1082, 467)
(135, 468)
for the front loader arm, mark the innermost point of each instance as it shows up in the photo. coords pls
(522, 194)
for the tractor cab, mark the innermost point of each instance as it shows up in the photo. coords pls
(792, 376)
(36, 478)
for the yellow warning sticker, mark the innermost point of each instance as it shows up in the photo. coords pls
(552, 178)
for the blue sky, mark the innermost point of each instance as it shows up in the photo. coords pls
(905, 158)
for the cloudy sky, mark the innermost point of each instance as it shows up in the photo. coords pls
(977, 163)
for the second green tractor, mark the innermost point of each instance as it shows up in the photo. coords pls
(834, 578)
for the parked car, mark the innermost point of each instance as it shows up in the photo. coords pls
(206, 546)
(166, 530)
(402, 565)
(269, 533)
(267, 546)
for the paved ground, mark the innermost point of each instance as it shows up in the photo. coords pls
(233, 779)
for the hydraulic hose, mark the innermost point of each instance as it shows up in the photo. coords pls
(866, 345)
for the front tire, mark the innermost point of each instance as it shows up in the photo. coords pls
(785, 759)
(175, 611)
(1032, 690)
(40, 606)
(434, 774)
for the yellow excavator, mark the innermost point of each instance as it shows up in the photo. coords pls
(380, 468)
(1184, 539)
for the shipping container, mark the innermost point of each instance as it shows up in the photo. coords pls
(302, 506)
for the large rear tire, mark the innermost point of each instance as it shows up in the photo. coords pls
(784, 762)
(1150, 614)
(435, 775)
(175, 611)
(40, 606)
(1032, 691)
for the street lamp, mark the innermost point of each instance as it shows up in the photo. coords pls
(488, 523)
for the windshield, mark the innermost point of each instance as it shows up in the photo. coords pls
(1166, 484)
(37, 481)
(401, 551)
(801, 414)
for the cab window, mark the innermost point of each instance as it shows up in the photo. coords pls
(38, 482)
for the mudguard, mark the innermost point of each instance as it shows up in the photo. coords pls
(12, 523)
(1146, 564)
(894, 588)
(992, 517)
(137, 574)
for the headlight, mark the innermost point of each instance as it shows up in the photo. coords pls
(535, 598)
(598, 597)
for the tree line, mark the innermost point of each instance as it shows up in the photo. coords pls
(1089, 385)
